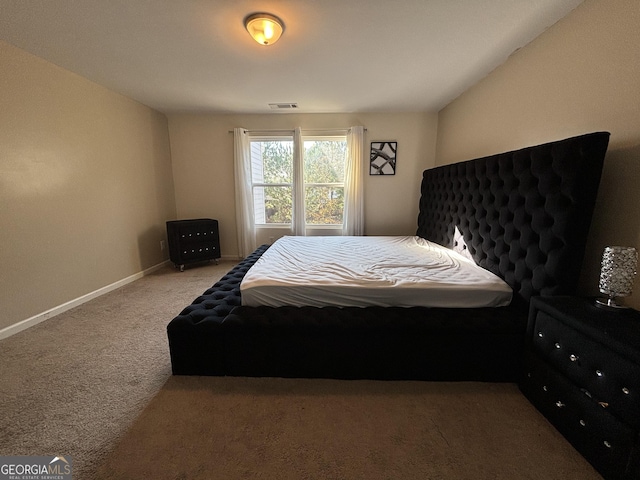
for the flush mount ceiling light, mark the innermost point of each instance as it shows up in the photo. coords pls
(264, 28)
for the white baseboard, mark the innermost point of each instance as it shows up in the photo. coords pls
(41, 317)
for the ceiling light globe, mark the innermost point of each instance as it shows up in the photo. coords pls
(265, 28)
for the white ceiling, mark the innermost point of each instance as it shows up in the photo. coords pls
(334, 56)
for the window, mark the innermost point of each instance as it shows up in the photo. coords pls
(272, 180)
(319, 179)
(303, 184)
(323, 172)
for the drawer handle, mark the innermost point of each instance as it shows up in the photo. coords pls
(607, 444)
(573, 358)
(625, 390)
(559, 404)
(540, 334)
(557, 345)
(586, 392)
(583, 423)
(599, 373)
(603, 404)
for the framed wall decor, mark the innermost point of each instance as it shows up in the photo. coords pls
(382, 160)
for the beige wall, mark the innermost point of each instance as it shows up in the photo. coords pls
(85, 186)
(582, 75)
(202, 156)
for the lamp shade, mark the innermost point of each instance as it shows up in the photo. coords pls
(265, 28)
(618, 271)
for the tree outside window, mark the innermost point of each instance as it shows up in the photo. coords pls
(323, 166)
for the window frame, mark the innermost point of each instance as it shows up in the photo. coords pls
(298, 156)
(336, 137)
(262, 138)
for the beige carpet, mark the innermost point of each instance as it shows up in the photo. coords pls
(94, 384)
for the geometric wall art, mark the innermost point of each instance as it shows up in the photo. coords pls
(382, 160)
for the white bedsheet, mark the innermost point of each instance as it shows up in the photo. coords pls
(369, 271)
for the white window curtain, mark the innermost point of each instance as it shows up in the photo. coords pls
(245, 219)
(353, 219)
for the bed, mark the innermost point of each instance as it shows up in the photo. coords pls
(389, 271)
(523, 216)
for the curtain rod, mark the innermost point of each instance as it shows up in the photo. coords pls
(290, 130)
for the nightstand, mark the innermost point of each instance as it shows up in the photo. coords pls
(582, 372)
(191, 241)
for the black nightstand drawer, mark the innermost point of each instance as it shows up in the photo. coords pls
(609, 378)
(190, 233)
(198, 251)
(603, 439)
(582, 372)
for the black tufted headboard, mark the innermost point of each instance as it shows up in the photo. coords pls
(523, 215)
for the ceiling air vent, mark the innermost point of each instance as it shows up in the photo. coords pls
(282, 106)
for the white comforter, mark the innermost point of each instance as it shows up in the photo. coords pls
(369, 271)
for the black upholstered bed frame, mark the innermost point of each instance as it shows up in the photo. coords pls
(523, 215)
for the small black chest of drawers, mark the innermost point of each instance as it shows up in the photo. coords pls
(194, 240)
(582, 372)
